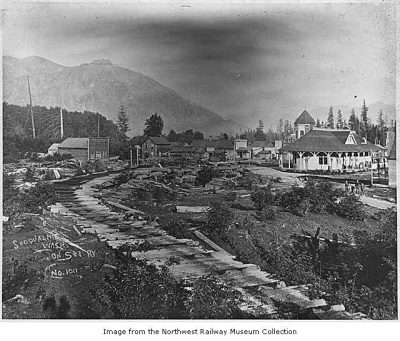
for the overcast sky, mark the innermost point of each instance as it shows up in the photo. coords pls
(244, 61)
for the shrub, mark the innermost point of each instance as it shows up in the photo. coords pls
(123, 177)
(58, 157)
(350, 207)
(230, 196)
(291, 199)
(139, 290)
(322, 196)
(247, 181)
(211, 298)
(262, 197)
(159, 194)
(317, 197)
(219, 217)
(176, 227)
(140, 194)
(205, 175)
(266, 214)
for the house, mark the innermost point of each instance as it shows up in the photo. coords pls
(225, 148)
(263, 150)
(303, 124)
(241, 148)
(155, 146)
(53, 149)
(181, 151)
(86, 148)
(201, 148)
(328, 149)
(179, 144)
(222, 149)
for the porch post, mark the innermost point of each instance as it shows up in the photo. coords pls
(328, 155)
(301, 160)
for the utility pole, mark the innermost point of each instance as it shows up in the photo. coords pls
(131, 157)
(98, 125)
(372, 171)
(30, 104)
(62, 124)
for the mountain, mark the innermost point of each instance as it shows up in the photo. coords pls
(102, 87)
(389, 112)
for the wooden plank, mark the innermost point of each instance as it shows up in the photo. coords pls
(191, 209)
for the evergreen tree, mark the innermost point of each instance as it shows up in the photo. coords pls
(352, 120)
(122, 122)
(260, 126)
(339, 121)
(330, 123)
(259, 134)
(318, 124)
(364, 119)
(154, 125)
(287, 128)
(281, 128)
(381, 120)
(173, 136)
(381, 128)
(198, 135)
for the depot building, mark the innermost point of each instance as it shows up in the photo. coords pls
(328, 149)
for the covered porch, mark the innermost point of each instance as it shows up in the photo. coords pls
(328, 161)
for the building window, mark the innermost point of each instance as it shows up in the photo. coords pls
(301, 133)
(323, 160)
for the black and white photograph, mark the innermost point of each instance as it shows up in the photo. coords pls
(199, 160)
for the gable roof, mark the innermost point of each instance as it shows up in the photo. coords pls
(262, 144)
(199, 143)
(138, 140)
(75, 142)
(328, 140)
(304, 118)
(159, 140)
(178, 144)
(54, 146)
(224, 144)
(217, 144)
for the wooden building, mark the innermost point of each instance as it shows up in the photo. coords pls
(86, 148)
(330, 150)
(303, 124)
(154, 146)
(263, 150)
(53, 149)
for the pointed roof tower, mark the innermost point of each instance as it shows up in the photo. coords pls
(304, 118)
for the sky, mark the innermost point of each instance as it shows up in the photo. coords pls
(244, 60)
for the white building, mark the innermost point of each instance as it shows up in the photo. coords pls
(303, 124)
(263, 150)
(53, 149)
(328, 149)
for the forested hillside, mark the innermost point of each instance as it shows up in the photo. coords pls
(18, 134)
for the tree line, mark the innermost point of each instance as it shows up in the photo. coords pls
(17, 129)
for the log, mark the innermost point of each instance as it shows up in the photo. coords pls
(191, 209)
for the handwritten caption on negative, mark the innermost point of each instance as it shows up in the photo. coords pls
(67, 259)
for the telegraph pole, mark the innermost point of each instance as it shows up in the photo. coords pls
(62, 124)
(98, 125)
(131, 157)
(30, 104)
